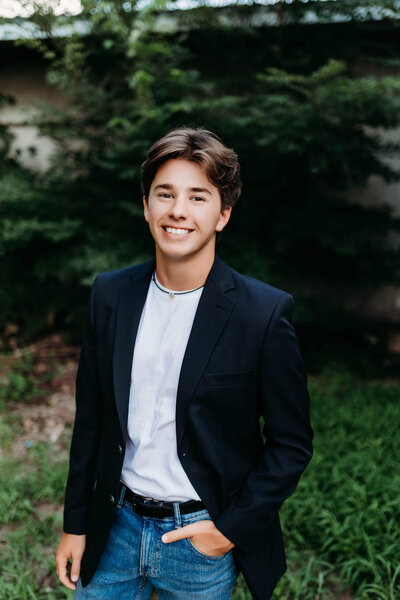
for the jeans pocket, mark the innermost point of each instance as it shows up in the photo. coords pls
(201, 516)
(198, 552)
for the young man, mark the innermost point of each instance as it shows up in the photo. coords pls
(180, 356)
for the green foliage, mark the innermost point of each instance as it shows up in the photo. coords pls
(346, 506)
(30, 526)
(305, 126)
(19, 383)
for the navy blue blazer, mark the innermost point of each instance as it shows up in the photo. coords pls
(242, 360)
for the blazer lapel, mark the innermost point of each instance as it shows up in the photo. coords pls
(213, 311)
(212, 315)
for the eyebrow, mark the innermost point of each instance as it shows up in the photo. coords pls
(169, 186)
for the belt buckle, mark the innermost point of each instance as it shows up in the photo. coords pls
(158, 502)
(154, 501)
(136, 501)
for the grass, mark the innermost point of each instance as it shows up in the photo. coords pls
(21, 382)
(346, 509)
(31, 493)
(32, 484)
(341, 526)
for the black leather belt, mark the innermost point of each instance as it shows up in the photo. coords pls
(150, 507)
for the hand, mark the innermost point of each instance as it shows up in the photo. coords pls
(212, 541)
(71, 546)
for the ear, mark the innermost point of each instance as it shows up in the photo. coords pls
(146, 209)
(224, 218)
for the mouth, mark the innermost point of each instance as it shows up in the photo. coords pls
(176, 232)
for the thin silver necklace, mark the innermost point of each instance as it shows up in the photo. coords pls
(172, 294)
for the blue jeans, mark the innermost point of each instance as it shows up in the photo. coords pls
(135, 561)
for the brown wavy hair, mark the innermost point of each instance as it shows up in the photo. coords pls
(220, 164)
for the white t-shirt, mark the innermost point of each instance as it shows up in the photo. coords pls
(151, 465)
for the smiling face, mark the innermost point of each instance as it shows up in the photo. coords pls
(182, 198)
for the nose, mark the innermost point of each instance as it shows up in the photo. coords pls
(178, 207)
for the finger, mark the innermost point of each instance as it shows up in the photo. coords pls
(76, 568)
(177, 534)
(184, 532)
(62, 563)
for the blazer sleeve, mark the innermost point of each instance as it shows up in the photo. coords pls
(86, 431)
(284, 403)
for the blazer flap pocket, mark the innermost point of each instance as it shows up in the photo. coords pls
(227, 378)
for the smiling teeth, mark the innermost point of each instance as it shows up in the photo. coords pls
(178, 231)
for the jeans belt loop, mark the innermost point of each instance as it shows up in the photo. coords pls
(121, 496)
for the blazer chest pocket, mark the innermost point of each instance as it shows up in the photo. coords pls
(216, 379)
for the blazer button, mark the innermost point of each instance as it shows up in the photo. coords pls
(112, 499)
(119, 448)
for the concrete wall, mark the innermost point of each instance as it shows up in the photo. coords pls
(26, 83)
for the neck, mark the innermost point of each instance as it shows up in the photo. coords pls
(183, 274)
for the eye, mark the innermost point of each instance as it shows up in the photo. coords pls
(166, 194)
